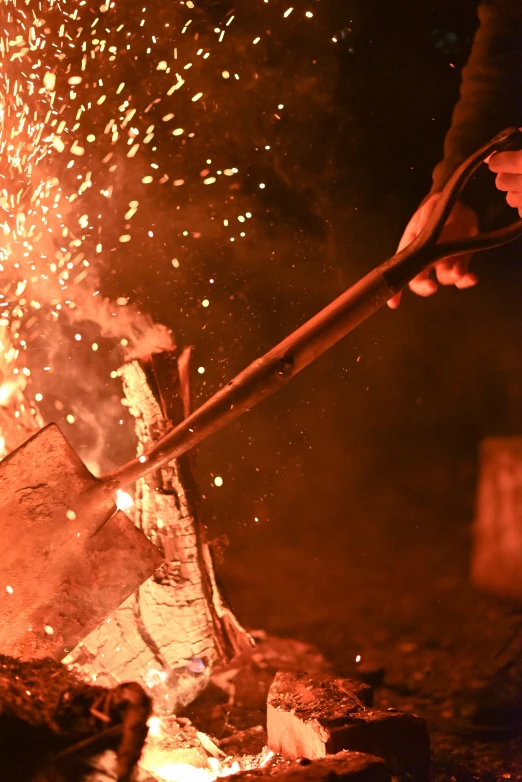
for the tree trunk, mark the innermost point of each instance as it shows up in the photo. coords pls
(175, 628)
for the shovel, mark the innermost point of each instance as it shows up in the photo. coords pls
(67, 560)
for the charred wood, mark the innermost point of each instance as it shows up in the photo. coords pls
(343, 767)
(176, 627)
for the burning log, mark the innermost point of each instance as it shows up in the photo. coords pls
(497, 556)
(176, 627)
(314, 716)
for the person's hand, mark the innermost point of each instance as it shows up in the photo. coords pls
(461, 223)
(508, 168)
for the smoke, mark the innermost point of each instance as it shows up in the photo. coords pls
(121, 322)
(63, 338)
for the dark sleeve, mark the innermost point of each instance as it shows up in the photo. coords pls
(491, 89)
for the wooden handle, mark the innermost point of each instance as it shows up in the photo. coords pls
(264, 376)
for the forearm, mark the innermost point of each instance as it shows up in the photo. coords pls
(491, 89)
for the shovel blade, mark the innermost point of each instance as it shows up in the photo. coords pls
(63, 569)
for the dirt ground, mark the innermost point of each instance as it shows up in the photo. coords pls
(391, 585)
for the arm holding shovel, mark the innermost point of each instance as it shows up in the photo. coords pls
(490, 98)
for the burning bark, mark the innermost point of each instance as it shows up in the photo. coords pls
(175, 628)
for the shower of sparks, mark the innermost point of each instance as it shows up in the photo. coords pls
(98, 111)
(64, 109)
(71, 132)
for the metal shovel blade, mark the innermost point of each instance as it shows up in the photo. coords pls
(63, 568)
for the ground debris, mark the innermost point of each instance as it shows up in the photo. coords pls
(61, 721)
(349, 766)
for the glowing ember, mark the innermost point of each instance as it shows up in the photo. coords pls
(123, 500)
(85, 157)
(154, 762)
(166, 762)
(92, 145)
(6, 389)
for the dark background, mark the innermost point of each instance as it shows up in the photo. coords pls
(348, 497)
(362, 472)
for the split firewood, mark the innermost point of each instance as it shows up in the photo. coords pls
(173, 631)
(314, 716)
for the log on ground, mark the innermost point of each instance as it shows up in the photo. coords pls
(314, 716)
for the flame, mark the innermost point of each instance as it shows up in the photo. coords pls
(123, 500)
(181, 772)
(6, 391)
(156, 757)
(155, 725)
(184, 772)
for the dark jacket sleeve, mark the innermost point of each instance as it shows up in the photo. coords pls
(491, 89)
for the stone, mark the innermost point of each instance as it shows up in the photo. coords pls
(314, 716)
(348, 766)
(496, 561)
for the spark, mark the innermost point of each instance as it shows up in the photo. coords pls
(83, 153)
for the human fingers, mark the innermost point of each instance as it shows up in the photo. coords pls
(394, 302)
(506, 162)
(455, 271)
(467, 280)
(509, 182)
(410, 232)
(422, 285)
(514, 199)
(446, 271)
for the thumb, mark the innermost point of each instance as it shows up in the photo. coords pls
(394, 302)
(418, 221)
(411, 231)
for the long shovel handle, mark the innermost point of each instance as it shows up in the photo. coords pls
(267, 374)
